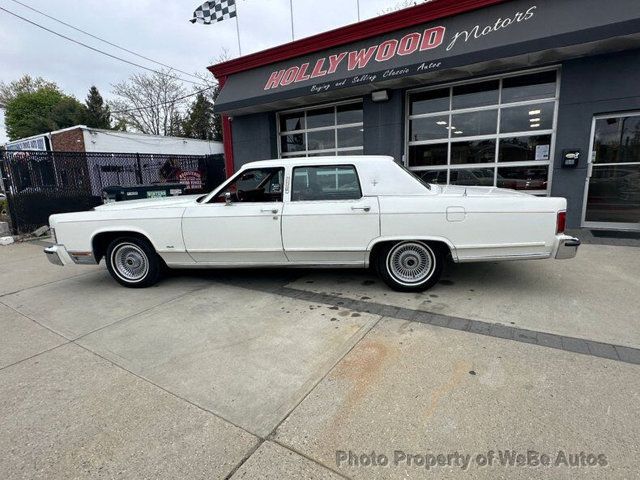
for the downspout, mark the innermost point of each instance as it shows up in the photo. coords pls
(227, 138)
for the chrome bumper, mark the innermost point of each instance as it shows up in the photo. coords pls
(53, 255)
(567, 248)
(58, 255)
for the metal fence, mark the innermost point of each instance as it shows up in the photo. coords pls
(39, 184)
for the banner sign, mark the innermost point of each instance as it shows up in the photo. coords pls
(38, 143)
(499, 31)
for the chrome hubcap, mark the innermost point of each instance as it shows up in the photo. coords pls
(411, 262)
(130, 262)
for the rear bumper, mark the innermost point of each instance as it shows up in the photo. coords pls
(567, 247)
(58, 255)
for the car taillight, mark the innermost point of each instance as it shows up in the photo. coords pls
(561, 222)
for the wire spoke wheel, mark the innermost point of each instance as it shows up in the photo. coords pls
(411, 263)
(130, 262)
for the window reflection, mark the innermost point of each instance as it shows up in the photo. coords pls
(617, 140)
(523, 178)
(481, 177)
(426, 155)
(479, 151)
(476, 95)
(522, 149)
(527, 118)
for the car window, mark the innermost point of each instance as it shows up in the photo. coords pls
(339, 182)
(257, 185)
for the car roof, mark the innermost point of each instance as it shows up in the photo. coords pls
(326, 160)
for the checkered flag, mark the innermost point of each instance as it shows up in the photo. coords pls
(214, 11)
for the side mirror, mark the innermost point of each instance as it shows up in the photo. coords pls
(227, 198)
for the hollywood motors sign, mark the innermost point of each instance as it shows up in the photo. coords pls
(427, 40)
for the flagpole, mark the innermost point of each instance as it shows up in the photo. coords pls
(238, 32)
(291, 8)
(358, 3)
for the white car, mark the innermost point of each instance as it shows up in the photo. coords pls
(350, 211)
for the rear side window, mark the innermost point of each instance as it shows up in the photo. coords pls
(335, 182)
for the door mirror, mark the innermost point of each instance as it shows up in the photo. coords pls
(227, 198)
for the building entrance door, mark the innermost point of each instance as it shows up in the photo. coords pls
(612, 197)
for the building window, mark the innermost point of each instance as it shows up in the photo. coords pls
(324, 130)
(498, 132)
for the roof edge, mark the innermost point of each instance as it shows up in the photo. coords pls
(407, 17)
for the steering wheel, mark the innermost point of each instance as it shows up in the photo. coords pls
(240, 195)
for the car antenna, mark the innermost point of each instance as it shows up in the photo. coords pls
(465, 192)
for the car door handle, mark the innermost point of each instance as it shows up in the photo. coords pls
(269, 210)
(366, 208)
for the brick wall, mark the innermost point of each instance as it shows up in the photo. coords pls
(69, 141)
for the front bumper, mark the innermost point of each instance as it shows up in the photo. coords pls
(567, 247)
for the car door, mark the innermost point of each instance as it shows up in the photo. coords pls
(240, 225)
(326, 220)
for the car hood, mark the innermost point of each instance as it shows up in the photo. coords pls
(148, 203)
(459, 190)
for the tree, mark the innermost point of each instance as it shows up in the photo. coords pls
(148, 102)
(26, 84)
(47, 109)
(176, 127)
(200, 120)
(98, 114)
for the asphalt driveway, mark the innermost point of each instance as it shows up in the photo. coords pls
(321, 374)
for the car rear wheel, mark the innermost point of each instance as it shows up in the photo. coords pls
(133, 262)
(410, 266)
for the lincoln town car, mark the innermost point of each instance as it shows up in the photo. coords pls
(348, 211)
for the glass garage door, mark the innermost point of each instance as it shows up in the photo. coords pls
(613, 180)
(495, 132)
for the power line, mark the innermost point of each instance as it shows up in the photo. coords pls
(103, 40)
(137, 109)
(96, 49)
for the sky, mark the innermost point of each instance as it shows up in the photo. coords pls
(159, 30)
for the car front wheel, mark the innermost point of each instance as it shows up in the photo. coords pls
(133, 262)
(410, 266)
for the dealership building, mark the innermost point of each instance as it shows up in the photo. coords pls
(540, 96)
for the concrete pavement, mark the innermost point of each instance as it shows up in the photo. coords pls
(303, 374)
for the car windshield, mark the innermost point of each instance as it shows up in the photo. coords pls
(427, 185)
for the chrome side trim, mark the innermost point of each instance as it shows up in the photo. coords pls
(530, 256)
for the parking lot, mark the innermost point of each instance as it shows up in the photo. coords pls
(321, 374)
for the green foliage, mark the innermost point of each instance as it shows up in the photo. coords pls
(25, 84)
(97, 113)
(47, 109)
(200, 122)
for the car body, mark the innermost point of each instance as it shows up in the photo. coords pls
(350, 211)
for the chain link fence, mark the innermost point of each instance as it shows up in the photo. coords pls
(39, 184)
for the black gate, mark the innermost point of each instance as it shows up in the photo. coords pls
(39, 184)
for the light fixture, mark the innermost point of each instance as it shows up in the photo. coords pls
(535, 125)
(458, 132)
(534, 120)
(441, 122)
(451, 128)
(534, 112)
(380, 96)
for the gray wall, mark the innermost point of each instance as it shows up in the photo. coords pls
(384, 125)
(590, 86)
(254, 138)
